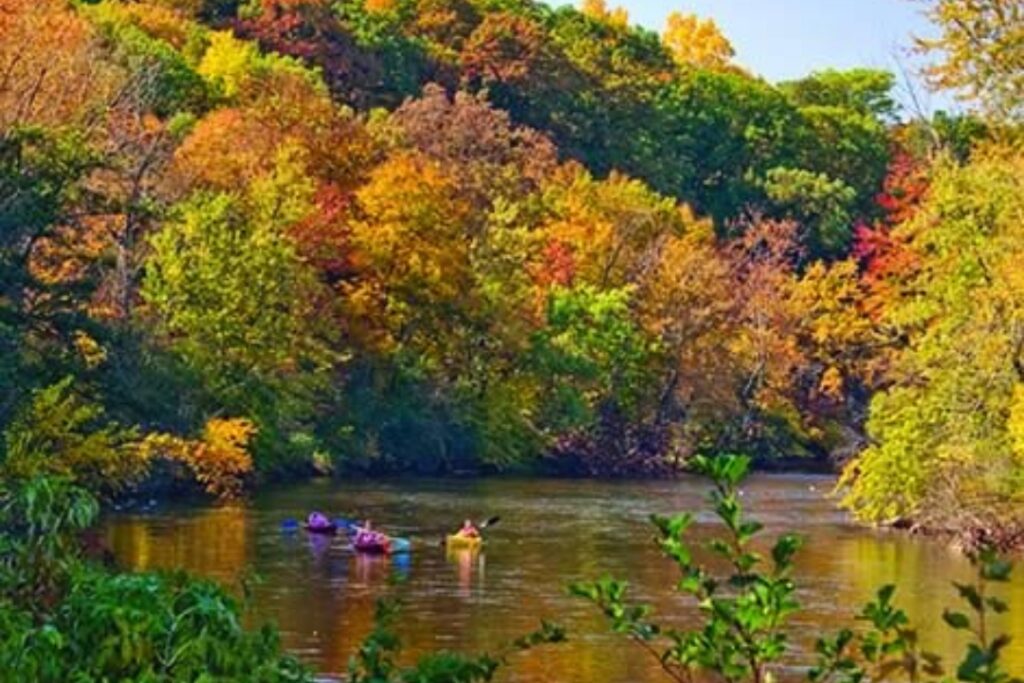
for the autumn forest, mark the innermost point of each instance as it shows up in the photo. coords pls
(246, 240)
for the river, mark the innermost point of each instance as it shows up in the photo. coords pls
(552, 532)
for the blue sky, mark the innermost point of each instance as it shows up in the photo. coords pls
(783, 39)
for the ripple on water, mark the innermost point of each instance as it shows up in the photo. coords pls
(551, 532)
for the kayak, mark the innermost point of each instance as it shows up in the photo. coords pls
(459, 542)
(328, 530)
(380, 545)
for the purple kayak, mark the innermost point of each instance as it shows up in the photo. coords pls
(317, 523)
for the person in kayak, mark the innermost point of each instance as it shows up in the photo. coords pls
(317, 520)
(366, 535)
(468, 530)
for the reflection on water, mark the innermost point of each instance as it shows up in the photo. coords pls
(322, 595)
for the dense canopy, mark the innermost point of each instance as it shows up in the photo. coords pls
(449, 234)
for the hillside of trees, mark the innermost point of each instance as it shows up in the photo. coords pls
(432, 235)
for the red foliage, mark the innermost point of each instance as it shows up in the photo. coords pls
(309, 30)
(557, 266)
(886, 260)
(323, 239)
(905, 187)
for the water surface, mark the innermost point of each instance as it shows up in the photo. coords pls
(552, 532)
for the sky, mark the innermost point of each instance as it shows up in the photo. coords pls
(785, 39)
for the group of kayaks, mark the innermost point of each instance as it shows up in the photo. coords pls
(367, 540)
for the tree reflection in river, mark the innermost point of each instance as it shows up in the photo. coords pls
(552, 533)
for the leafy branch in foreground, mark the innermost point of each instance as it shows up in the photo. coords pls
(743, 615)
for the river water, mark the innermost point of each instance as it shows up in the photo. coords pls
(552, 532)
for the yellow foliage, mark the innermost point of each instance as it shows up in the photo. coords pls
(1015, 423)
(159, 21)
(696, 42)
(228, 62)
(599, 10)
(611, 225)
(92, 352)
(982, 48)
(219, 462)
(831, 383)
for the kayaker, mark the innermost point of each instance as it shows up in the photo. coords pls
(468, 530)
(317, 520)
(366, 534)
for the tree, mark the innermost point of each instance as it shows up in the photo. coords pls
(686, 303)
(696, 42)
(492, 158)
(981, 51)
(942, 450)
(598, 9)
(866, 91)
(227, 284)
(820, 205)
(61, 432)
(413, 249)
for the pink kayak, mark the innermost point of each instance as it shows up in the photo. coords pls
(372, 544)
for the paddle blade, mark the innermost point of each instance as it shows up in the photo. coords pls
(490, 522)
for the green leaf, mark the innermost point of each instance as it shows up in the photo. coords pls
(956, 620)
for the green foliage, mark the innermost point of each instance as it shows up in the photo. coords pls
(164, 79)
(941, 432)
(228, 284)
(40, 174)
(743, 614)
(63, 433)
(822, 206)
(39, 519)
(67, 620)
(592, 345)
(867, 91)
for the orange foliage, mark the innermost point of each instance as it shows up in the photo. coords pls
(886, 260)
(219, 462)
(323, 238)
(380, 5)
(557, 265)
(410, 248)
(230, 147)
(51, 72)
(504, 48)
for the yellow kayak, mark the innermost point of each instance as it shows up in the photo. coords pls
(458, 542)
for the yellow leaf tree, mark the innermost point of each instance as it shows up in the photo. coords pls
(981, 50)
(696, 42)
(598, 9)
